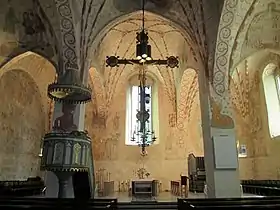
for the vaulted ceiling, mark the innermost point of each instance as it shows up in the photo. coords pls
(165, 38)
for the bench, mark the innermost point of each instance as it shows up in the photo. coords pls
(29, 187)
(52, 203)
(261, 187)
(268, 202)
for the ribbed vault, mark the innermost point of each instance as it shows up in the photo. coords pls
(165, 38)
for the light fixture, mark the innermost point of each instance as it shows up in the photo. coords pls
(142, 135)
(143, 51)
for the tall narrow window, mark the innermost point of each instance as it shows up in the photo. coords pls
(277, 80)
(271, 83)
(133, 104)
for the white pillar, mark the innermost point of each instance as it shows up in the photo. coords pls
(220, 151)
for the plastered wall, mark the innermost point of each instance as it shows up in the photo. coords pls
(166, 160)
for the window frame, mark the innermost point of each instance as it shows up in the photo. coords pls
(271, 85)
(131, 114)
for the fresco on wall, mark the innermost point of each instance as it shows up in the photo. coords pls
(24, 28)
(22, 126)
(105, 148)
(219, 120)
(188, 92)
(245, 94)
(99, 118)
(116, 121)
(185, 137)
(172, 119)
(109, 147)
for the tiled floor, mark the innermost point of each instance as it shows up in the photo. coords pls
(163, 197)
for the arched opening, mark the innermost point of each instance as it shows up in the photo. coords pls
(110, 147)
(25, 114)
(254, 93)
(21, 129)
(189, 115)
(245, 47)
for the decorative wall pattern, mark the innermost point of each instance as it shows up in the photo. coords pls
(246, 29)
(111, 153)
(20, 138)
(121, 41)
(24, 114)
(24, 28)
(229, 27)
(246, 97)
(67, 29)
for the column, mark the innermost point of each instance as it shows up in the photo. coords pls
(220, 150)
(63, 180)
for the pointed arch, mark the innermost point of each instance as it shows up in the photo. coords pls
(41, 70)
(188, 90)
(26, 113)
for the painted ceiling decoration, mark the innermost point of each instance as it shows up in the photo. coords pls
(26, 28)
(78, 30)
(97, 16)
(120, 40)
(143, 58)
(69, 88)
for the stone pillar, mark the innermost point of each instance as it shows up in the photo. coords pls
(220, 150)
(63, 180)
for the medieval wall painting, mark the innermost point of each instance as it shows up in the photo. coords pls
(24, 28)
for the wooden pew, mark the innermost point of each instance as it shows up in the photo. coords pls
(51, 203)
(261, 187)
(29, 187)
(268, 202)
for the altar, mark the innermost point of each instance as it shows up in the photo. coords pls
(144, 188)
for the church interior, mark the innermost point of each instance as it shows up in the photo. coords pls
(196, 117)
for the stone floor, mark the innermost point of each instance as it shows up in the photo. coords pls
(163, 197)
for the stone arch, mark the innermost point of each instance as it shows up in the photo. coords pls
(26, 112)
(42, 71)
(189, 116)
(188, 90)
(185, 58)
(113, 78)
(232, 41)
(249, 100)
(251, 73)
(22, 127)
(261, 59)
(125, 16)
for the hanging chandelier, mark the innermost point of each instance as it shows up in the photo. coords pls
(142, 135)
(143, 52)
